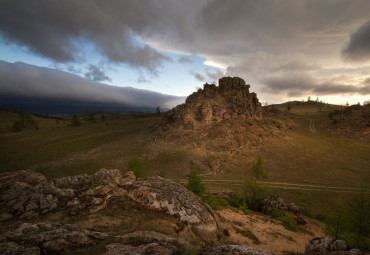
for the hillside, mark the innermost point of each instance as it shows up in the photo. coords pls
(310, 159)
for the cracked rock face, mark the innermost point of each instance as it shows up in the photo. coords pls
(227, 116)
(234, 249)
(30, 238)
(329, 246)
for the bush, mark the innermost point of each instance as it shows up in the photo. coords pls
(275, 213)
(214, 202)
(244, 208)
(289, 223)
(195, 182)
(135, 165)
(253, 194)
(162, 174)
(235, 199)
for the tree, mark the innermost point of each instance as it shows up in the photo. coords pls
(257, 169)
(195, 182)
(253, 193)
(91, 118)
(289, 107)
(75, 121)
(135, 165)
(337, 222)
(17, 126)
(359, 217)
(158, 111)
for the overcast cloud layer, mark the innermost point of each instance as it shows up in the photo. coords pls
(23, 80)
(286, 48)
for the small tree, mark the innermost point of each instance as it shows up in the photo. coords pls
(17, 126)
(195, 182)
(135, 165)
(158, 111)
(337, 222)
(289, 107)
(75, 121)
(91, 118)
(359, 217)
(257, 169)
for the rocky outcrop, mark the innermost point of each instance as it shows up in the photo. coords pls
(150, 248)
(328, 246)
(46, 237)
(27, 195)
(234, 249)
(162, 194)
(227, 116)
(271, 201)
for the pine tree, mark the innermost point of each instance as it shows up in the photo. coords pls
(195, 182)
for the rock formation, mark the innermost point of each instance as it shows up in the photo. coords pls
(227, 116)
(328, 246)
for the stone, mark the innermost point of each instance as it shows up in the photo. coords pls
(323, 246)
(50, 236)
(174, 199)
(272, 201)
(301, 220)
(234, 249)
(150, 248)
(11, 248)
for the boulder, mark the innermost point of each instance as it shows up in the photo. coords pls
(150, 248)
(172, 198)
(272, 201)
(326, 246)
(50, 236)
(234, 249)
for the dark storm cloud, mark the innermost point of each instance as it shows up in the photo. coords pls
(96, 74)
(358, 48)
(25, 80)
(302, 84)
(55, 29)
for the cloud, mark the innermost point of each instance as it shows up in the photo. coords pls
(185, 60)
(303, 84)
(96, 74)
(358, 48)
(23, 80)
(198, 76)
(56, 30)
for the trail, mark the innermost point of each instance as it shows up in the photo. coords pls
(312, 127)
(285, 185)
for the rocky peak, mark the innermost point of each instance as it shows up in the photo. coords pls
(213, 104)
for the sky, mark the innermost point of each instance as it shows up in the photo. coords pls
(285, 49)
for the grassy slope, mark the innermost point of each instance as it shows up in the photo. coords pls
(297, 157)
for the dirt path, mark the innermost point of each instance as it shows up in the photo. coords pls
(312, 127)
(283, 185)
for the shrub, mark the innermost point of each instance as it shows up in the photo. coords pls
(275, 213)
(244, 208)
(253, 194)
(289, 223)
(195, 182)
(235, 199)
(135, 165)
(214, 202)
(162, 174)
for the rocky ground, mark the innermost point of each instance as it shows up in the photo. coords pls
(111, 213)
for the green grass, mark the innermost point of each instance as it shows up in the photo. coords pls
(297, 156)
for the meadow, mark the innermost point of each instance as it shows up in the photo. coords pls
(306, 164)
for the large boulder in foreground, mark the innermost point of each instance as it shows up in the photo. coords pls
(27, 195)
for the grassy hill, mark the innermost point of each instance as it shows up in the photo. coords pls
(308, 163)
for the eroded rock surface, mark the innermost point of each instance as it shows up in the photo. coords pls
(227, 116)
(28, 238)
(234, 249)
(329, 246)
(150, 248)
